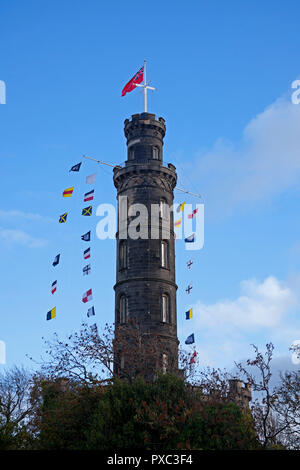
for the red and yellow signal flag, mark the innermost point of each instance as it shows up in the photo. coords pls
(68, 192)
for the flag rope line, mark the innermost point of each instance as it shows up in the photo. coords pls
(100, 161)
(119, 166)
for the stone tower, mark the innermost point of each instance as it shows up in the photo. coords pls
(145, 291)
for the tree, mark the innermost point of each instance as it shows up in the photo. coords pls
(162, 415)
(85, 365)
(85, 357)
(90, 357)
(276, 410)
(15, 407)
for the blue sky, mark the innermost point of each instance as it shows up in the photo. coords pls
(223, 72)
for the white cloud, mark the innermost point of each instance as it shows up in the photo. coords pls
(13, 236)
(264, 163)
(262, 312)
(259, 305)
(23, 215)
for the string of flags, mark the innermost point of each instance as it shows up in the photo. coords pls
(178, 222)
(190, 239)
(86, 237)
(87, 211)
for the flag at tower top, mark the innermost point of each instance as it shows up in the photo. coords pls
(137, 78)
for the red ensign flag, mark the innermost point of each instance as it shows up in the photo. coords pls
(131, 85)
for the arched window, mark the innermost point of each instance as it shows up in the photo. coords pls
(165, 308)
(164, 363)
(163, 208)
(164, 254)
(123, 208)
(155, 153)
(123, 254)
(123, 309)
(122, 361)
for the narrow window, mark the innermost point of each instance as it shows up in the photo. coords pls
(163, 209)
(122, 362)
(131, 154)
(165, 308)
(123, 309)
(164, 363)
(123, 254)
(164, 254)
(155, 153)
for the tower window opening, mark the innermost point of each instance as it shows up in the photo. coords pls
(123, 309)
(164, 254)
(123, 254)
(155, 153)
(165, 308)
(163, 209)
(164, 363)
(131, 154)
(122, 361)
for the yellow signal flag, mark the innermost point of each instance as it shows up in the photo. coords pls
(68, 192)
(63, 218)
(189, 314)
(180, 208)
(178, 223)
(51, 314)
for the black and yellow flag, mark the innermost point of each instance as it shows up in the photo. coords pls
(87, 210)
(63, 218)
(51, 314)
(189, 314)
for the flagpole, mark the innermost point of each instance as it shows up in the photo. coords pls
(145, 88)
(188, 192)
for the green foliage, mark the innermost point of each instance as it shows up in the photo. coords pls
(165, 414)
(220, 426)
(13, 436)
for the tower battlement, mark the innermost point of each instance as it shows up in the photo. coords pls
(144, 136)
(240, 394)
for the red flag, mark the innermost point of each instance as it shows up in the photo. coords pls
(87, 296)
(192, 360)
(131, 85)
(190, 216)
